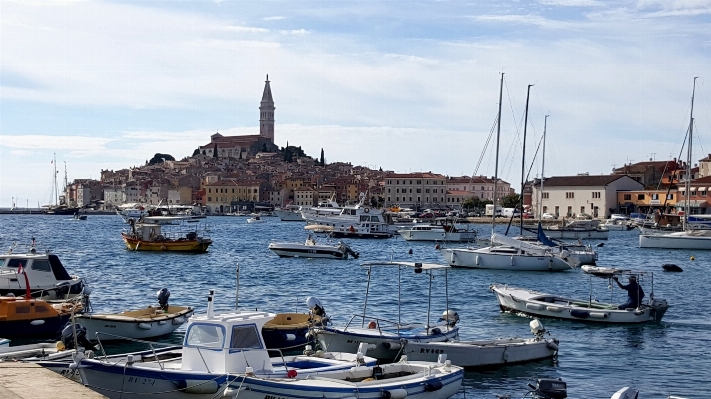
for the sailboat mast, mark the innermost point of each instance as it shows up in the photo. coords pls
(523, 158)
(496, 167)
(543, 166)
(54, 180)
(687, 185)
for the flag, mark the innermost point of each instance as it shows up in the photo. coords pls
(20, 270)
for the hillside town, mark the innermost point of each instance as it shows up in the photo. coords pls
(249, 172)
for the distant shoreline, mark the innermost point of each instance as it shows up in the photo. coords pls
(35, 211)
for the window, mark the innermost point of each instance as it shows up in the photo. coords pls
(544, 195)
(419, 190)
(582, 209)
(209, 335)
(640, 197)
(410, 191)
(427, 190)
(245, 337)
(655, 196)
(419, 182)
(209, 199)
(628, 197)
(569, 195)
(596, 194)
(570, 211)
(41, 265)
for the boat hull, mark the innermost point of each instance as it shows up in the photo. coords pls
(410, 235)
(307, 251)
(530, 303)
(49, 327)
(115, 326)
(480, 259)
(484, 353)
(387, 346)
(671, 241)
(198, 245)
(356, 234)
(286, 216)
(577, 234)
(126, 382)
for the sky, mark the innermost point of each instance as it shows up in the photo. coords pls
(406, 86)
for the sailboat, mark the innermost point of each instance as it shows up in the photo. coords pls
(688, 238)
(59, 207)
(506, 253)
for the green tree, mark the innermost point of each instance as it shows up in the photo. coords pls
(510, 201)
(158, 158)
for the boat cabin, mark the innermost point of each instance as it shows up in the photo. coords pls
(226, 342)
(44, 271)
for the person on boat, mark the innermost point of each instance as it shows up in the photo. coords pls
(634, 293)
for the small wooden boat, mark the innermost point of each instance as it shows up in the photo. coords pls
(29, 317)
(532, 303)
(162, 237)
(149, 322)
(493, 352)
(293, 330)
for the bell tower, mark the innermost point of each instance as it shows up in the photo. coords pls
(266, 113)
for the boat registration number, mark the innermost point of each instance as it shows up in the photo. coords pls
(435, 351)
(141, 381)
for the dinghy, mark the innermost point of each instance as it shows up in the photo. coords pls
(149, 322)
(223, 355)
(311, 249)
(493, 352)
(537, 304)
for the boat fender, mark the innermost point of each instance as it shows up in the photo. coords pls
(290, 337)
(179, 320)
(668, 267)
(581, 314)
(534, 306)
(392, 345)
(37, 322)
(291, 373)
(432, 386)
(198, 386)
(144, 326)
(553, 309)
(552, 344)
(598, 315)
(435, 331)
(162, 322)
(399, 393)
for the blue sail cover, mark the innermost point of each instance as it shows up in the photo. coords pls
(542, 237)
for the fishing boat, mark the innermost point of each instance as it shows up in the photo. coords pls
(182, 235)
(294, 330)
(537, 304)
(688, 238)
(223, 355)
(49, 280)
(149, 322)
(311, 249)
(384, 337)
(24, 317)
(493, 352)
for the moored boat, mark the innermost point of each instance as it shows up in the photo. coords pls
(183, 237)
(29, 317)
(311, 249)
(294, 330)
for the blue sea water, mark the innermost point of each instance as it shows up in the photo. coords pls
(672, 357)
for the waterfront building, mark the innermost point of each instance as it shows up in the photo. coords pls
(481, 187)
(305, 196)
(415, 190)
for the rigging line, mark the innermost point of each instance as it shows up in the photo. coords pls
(486, 145)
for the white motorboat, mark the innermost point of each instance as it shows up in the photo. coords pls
(368, 227)
(311, 249)
(437, 233)
(224, 356)
(256, 219)
(537, 304)
(492, 352)
(149, 322)
(510, 254)
(48, 278)
(617, 225)
(578, 229)
(292, 213)
(382, 337)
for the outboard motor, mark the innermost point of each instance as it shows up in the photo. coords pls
(62, 289)
(450, 316)
(549, 388)
(163, 296)
(626, 393)
(82, 340)
(317, 309)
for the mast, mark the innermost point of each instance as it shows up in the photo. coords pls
(66, 182)
(54, 180)
(687, 184)
(523, 159)
(496, 167)
(543, 165)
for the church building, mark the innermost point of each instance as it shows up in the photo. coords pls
(240, 147)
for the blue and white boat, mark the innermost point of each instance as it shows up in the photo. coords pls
(383, 337)
(223, 355)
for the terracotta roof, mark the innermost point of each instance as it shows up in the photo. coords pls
(582, 181)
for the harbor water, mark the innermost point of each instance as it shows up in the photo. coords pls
(659, 359)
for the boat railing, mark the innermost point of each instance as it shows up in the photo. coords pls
(379, 323)
(151, 344)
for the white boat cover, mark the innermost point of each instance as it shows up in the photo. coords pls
(512, 242)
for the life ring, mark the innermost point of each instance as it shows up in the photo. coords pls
(372, 325)
(366, 209)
